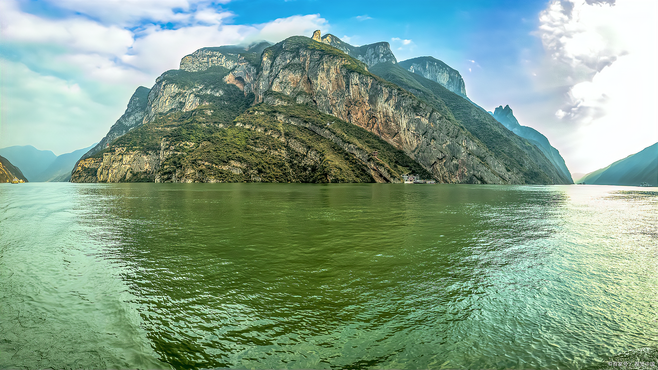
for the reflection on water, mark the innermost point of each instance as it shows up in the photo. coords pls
(313, 276)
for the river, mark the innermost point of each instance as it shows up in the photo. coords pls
(387, 276)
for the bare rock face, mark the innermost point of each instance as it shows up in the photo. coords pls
(167, 96)
(203, 59)
(131, 118)
(370, 54)
(437, 71)
(446, 150)
(9, 172)
(118, 166)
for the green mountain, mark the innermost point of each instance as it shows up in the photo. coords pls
(637, 169)
(29, 159)
(506, 117)
(8, 171)
(303, 110)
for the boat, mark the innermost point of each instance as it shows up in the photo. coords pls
(415, 179)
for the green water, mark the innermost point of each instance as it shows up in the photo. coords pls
(326, 276)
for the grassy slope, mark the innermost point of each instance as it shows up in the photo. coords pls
(517, 153)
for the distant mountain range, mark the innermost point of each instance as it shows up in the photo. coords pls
(8, 171)
(506, 117)
(311, 110)
(42, 165)
(637, 169)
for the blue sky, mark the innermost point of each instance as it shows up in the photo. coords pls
(573, 69)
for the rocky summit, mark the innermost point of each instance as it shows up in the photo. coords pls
(308, 110)
(506, 117)
(437, 71)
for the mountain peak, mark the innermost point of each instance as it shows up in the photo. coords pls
(437, 71)
(506, 117)
(370, 54)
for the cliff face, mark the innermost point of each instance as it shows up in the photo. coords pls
(281, 143)
(131, 118)
(506, 117)
(370, 54)
(337, 87)
(8, 171)
(317, 115)
(437, 71)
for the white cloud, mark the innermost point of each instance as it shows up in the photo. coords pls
(75, 34)
(604, 56)
(364, 17)
(158, 50)
(49, 112)
(126, 12)
(404, 47)
(81, 67)
(401, 41)
(281, 28)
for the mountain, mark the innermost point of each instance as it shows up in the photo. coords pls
(636, 169)
(8, 171)
(437, 71)
(517, 154)
(506, 117)
(130, 119)
(29, 159)
(577, 176)
(42, 165)
(370, 54)
(60, 169)
(304, 110)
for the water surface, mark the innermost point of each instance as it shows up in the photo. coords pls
(326, 276)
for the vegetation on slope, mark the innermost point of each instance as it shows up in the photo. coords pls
(517, 153)
(636, 169)
(213, 144)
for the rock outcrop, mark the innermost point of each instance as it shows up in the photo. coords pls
(506, 117)
(435, 70)
(131, 118)
(9, 172)
(370, 54)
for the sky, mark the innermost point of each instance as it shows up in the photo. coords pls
(582, 72)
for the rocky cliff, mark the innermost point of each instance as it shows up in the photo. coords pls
(8, 171)
(437, 71)
(317, 115)
(370, 54)
(131, 118)
(506, 117)
(518, 155)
